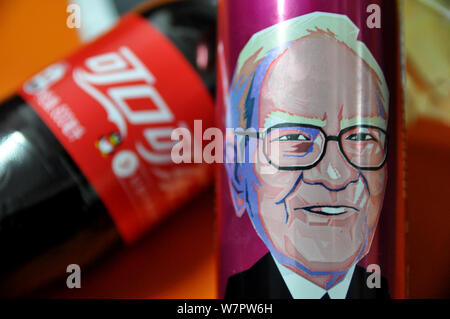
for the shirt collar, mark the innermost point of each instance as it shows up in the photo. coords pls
(301, 288)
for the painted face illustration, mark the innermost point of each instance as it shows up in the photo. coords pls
(315, 188)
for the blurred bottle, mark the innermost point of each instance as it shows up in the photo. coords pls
(85, 144)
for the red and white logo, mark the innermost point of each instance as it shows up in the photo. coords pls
(113, 106)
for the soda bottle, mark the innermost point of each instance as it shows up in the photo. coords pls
(85, 145)
(311, 194)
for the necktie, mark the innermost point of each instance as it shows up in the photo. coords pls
(326, 296)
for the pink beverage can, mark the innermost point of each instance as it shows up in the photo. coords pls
(311, 195)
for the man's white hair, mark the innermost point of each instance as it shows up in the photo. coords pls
(290, 30)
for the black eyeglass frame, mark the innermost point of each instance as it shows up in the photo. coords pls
(337, 138)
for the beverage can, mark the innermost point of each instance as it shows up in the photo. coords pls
(311, 192)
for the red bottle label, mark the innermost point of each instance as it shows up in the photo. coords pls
(113, 106)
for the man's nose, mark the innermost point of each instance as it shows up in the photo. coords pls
(333, 171)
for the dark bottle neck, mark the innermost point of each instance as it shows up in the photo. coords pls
(191, 26)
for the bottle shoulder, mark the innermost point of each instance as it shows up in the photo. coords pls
(191, 27)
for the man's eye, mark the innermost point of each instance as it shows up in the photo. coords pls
(293, 137)
(361, 137)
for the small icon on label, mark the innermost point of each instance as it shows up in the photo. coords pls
(125, 164)
(107, 144)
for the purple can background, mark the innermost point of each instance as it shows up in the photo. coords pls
(239, 245)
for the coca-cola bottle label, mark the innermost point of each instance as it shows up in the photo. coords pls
(113, 106)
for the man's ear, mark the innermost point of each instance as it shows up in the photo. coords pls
(237, 190)
(236, 180)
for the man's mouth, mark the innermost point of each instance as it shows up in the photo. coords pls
(328, 210)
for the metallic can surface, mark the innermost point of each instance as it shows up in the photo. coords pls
(311, 195)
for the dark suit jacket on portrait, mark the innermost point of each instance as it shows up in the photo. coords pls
(264, 281)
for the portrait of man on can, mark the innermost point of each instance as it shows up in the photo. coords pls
(309, 107)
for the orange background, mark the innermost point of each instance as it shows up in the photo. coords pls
(177, 260)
